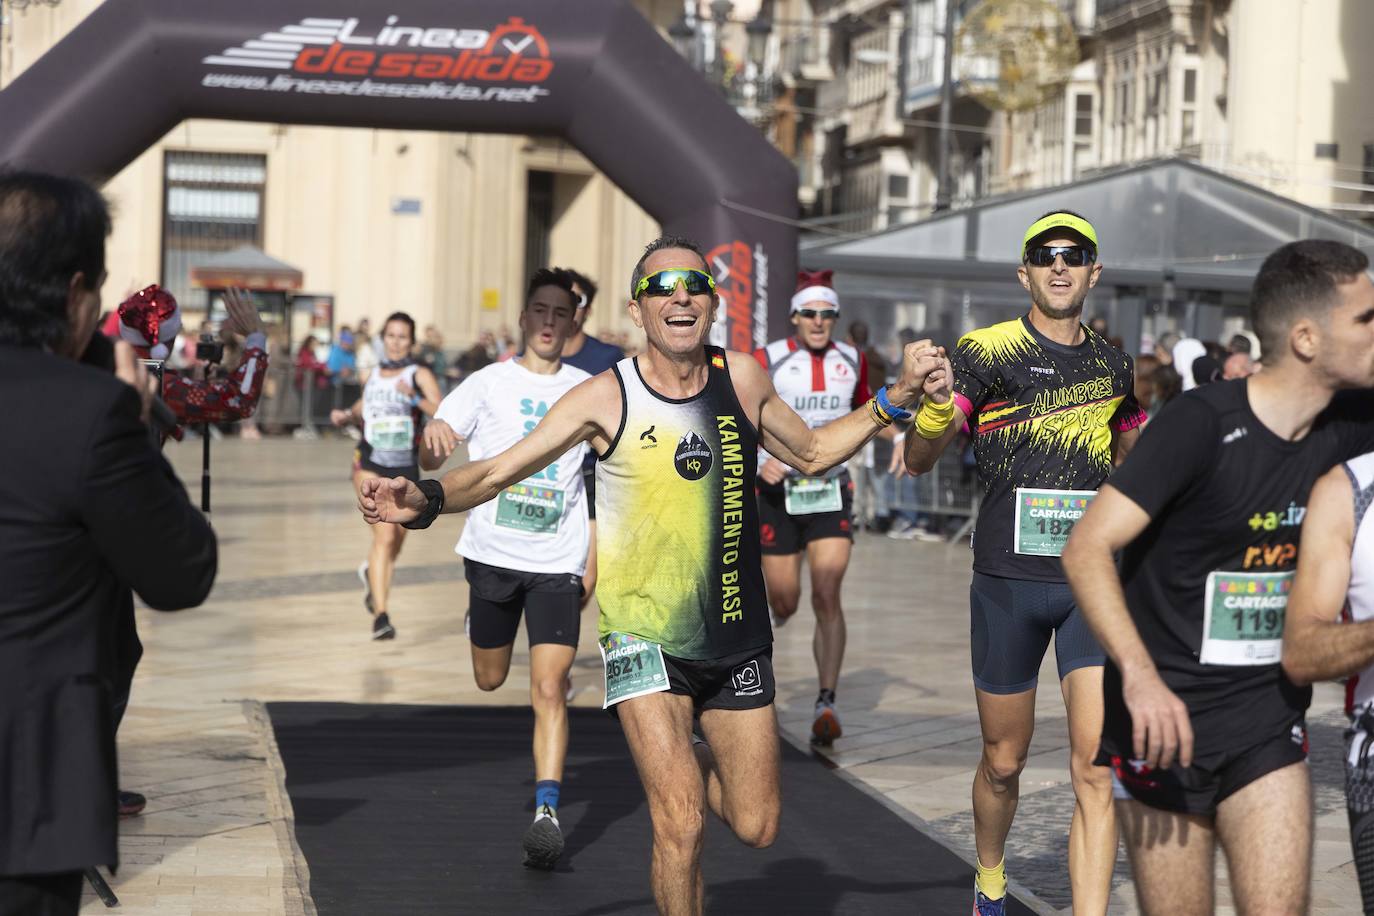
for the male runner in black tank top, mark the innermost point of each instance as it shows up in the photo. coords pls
(663, 667)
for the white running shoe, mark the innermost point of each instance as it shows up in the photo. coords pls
(367, 586)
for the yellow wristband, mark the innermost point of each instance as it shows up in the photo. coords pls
(933, 419)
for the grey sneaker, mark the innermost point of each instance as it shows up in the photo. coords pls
(382, 628)
(543, 842)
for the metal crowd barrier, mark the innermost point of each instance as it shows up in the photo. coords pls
(950, 489)
(315, 402)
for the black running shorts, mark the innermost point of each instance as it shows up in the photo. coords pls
(740, 681)
(781, 534)
(1211, 779)
(1011, 622)
(362, 461)
(551, 602)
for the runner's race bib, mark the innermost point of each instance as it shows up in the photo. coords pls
(391, 434)
(812, 495)
(633, 667)
(533, 510)
(1044, 519)
(1243, 618)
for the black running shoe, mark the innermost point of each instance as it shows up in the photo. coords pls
(382, 628)
(543, 842)
(367, 587)
(131, 803)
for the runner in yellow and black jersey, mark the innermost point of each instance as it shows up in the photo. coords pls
(1049, 403)
(1044, 417)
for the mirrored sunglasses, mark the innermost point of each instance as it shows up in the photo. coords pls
(664, 282)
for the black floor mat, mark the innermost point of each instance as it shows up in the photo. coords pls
(420, 809)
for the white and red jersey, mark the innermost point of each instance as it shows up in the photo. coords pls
(820, 386)
(1359, 691)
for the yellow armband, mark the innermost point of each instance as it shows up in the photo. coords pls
(933, 419)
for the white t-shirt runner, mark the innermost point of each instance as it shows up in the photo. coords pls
(540, 524)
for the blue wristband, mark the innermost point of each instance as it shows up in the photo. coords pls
(893, 411)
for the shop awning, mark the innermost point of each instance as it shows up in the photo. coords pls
(247, 267)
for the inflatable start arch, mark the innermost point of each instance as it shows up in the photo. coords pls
(591, 71)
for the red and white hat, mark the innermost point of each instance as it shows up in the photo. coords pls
(150, 320)
(815, 286)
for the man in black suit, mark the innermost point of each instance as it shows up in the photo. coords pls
(88, 511)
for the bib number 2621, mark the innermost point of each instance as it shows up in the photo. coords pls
(633, 667)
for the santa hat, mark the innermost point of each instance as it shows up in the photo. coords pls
(150, 320)
(815, 286)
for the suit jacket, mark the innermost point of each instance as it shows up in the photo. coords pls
(88, 511)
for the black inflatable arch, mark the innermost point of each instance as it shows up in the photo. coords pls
(591, 71)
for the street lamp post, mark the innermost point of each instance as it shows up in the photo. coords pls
(720, 15)
(701, 42)
(758, 30)
(943, 192)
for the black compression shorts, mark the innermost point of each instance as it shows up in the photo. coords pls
(1012, 621)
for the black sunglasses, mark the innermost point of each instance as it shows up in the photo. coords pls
(817, 313)
(1074, 255)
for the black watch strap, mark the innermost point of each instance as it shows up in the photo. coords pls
(434, 494)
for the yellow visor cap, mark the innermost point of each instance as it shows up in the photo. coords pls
(1059, 221)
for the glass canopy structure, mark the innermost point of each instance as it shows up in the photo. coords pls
(1180, 245)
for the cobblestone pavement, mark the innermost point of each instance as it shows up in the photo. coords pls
(285, 622)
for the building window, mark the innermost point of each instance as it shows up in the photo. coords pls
(1327, 151)
(1369, 163)
(212, 202)
(1188, 125)
(1083, 116)
(898, 187)
(538, 220)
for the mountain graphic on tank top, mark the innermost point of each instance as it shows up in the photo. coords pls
(693, 458)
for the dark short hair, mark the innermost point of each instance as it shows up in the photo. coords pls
(51, 229)
(551, 276)
(663, 243)
(858, 332)
(403, 318)
(587, 285)
(1299, 280)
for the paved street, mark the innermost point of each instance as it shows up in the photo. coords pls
(285, 622)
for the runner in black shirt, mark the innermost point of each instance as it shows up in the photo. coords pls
(1203, 732)
(1051, 407)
